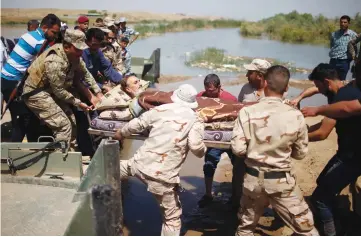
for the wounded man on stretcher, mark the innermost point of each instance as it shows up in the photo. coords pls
(133, 97)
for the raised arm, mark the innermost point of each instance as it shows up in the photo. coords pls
(304, 94)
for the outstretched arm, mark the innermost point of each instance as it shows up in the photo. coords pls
(342, 109)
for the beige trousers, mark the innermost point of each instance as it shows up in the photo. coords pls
(285, 198)
(166, 196)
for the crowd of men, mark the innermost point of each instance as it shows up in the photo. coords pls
(69, 77)
(63, 72)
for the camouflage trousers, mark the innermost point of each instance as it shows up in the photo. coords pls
(285, 198)
(165, 194)
(56, 114)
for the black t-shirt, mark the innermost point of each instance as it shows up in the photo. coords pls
(348, 129)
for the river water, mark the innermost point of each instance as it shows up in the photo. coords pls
(175, 46)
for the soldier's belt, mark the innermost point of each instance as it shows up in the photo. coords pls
(267, 175)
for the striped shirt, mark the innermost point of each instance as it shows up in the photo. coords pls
(339, 42)
(23, 54)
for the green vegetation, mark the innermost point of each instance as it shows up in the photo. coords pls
(92, 11)
(146, 28)
(218, 60)
(297, 28)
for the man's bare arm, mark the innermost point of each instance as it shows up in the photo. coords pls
(323, 131)
(304, 94)
(342, 109)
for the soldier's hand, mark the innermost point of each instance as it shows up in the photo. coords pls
(309, 111)
(85, 107)
(118, 136)
(295, 101)
(94, 100)
(99, 95)
(106, 88)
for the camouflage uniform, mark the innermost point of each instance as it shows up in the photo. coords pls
(123, 61)
(109, 53)
(158, 161)
(269, 133)
(52, 75)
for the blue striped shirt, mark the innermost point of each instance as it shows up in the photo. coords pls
(23, 54)
(339, 42)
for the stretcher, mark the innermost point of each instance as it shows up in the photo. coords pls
(99, 134)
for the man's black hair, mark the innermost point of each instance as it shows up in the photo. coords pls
(125, 40)
(99, 20)
(50, 20)
(96, 33)
(33, 22)
(323, 71)
(212, 79)
(277, 78)
(345, 17)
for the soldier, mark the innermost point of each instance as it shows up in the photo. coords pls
(157, 163)
(125, 31)
(46, 90)
(253, 90)
(24, 53)
(83, 24)
(266, 135)
(124, 57)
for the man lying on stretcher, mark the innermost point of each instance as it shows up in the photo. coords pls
(115, 103)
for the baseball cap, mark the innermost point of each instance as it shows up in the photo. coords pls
(260, 65)
(83, 19)
(186, 95)
(102, 26)
(108, 21)
(122, 19)
(76, 38)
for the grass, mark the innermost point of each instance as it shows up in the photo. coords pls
(297, 28)
(150, 28)
(217, 59)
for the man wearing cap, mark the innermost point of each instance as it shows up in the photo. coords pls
(266, 135)
(83, 23)
(125, 31)
(158, 161)
(253, 90)
(51, 76)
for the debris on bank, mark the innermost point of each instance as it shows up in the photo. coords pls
(217, 60)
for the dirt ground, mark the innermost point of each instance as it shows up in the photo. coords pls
(21, 14)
